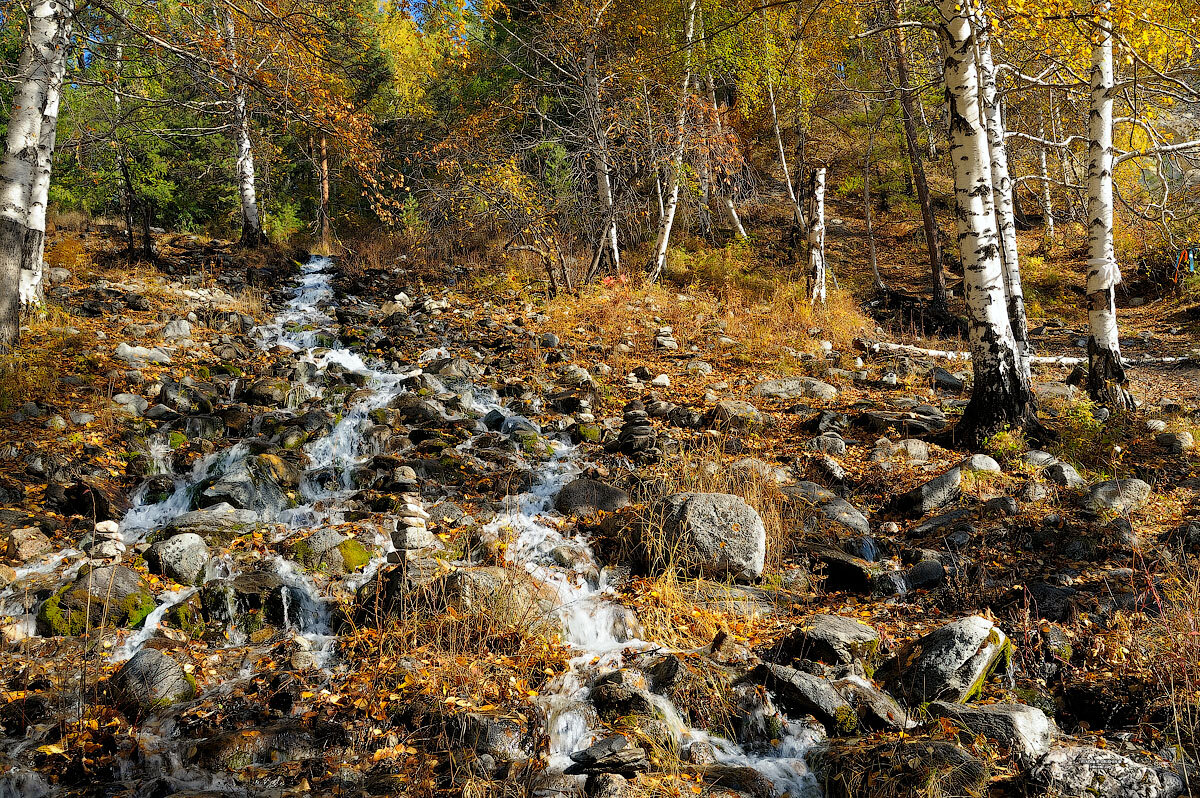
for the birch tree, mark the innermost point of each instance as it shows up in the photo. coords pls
(1002, 395)
(1106, 373)
(816, 236)
(672, 203)
(26, 164)
(252, 232)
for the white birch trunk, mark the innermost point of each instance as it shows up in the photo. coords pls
(44, 52)
(797, 211)
(600, 157)
(1044, 174)
(1001, 395)
(35, 247)
(668, 218)
(252, 233)
(1106, 373)
(1002, 196)
(816, 237)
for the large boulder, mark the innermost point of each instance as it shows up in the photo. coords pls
(795, 388)
(217, 524)
(951, 663)
(151, 679)
(112, 595)
(511, 599)
(268, 392)
(588, 497)
(250, 484)
(181, 558)
(733, 414)
(715, 534)
(1023, 731)
(1088, 772)
(1116, 496)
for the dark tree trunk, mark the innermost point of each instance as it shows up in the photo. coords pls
(12, 243)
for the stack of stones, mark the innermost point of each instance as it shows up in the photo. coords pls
(106, 542)
(665, 339)
(412, 522)
(584, 415)
(636, 438)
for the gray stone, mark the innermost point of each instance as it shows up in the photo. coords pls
(268, 392)
(1036, 457)
(56, 422)
(1176, 442)
(250, 484)
(615, 754)
(799, 693)
(736, 415)
(151, 679)
(832, 639)
(829, 443)
(131, 404)
(876, 709)
(177, 330)
(217, 524)
(140, 355)
(588, 497)
(1116, 496)
(717, 534)
(181, 558)
(26, 543)
(1064, 475)
(795, 388)
(946, 381)
(1088, 772)
(932, 495)
(980, 462)
(1024, 731)
(950, 663)
(832, 507)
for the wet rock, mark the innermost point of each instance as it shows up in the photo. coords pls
(1023, 731)
(1117, 496)
(795, 388)
(614, 754)
(112, 595)
(950, 663)
(716, 534)
(247, 485)
(903, 769)
(249, 601)
(217, 524)
(150, 680)
(1088, 772)
(831, 639)
(330, 551)
(27, 543)
(932, 495)
(588, 497)
(91, 499)
(181, 558)
(503, 739)
(800, 693)
(267, 392)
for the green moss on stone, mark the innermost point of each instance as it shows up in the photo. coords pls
(354, 554)
(177, 440)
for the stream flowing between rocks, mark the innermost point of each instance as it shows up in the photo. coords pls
(599, 631)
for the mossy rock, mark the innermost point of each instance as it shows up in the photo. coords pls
(354, 554)
(853, 768)
(177, 440)
(114, 595)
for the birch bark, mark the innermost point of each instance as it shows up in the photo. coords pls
(668, 218)
(43, 55)
(1106, 372)
(816, 236)
(1002, 194)
(252, 234)
(1002, 395)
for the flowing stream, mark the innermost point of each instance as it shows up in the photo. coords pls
(598, 629)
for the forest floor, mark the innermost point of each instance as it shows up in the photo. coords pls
(1103, 615)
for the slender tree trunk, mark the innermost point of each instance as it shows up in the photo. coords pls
(1002, 194)
(46, 45)
(658, 187)
(1002, 395)
(725, 199)
(867, 213)
(797, 210)
(915, 160)
(668, 219)
(1107, 382)
(1047, 200)
(600, 155)
(252, 233)
(816, 236)
(326, 220)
